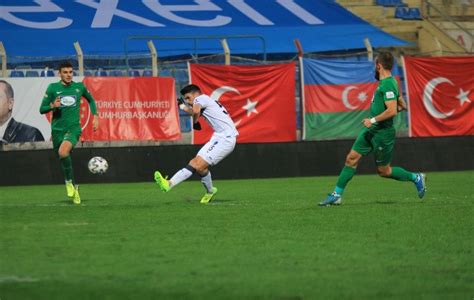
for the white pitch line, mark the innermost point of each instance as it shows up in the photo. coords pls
(31, 205)
(50, 205)
(13, 278)
(75, 224)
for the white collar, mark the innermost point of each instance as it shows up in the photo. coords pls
(3, 127)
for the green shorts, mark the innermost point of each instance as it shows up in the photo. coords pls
(381, 142)
(71, 135)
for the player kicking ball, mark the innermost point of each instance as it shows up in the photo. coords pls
(378, 136)
(63, 98)
(221, 144)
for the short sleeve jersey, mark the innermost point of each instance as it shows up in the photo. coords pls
(216, 115)
(386, 91)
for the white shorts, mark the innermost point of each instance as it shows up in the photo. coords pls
(217, 148)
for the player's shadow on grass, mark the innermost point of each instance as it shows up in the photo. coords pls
(69, 202)
(382, 202)
(215, 201)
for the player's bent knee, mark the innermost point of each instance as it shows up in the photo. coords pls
(63, 153)
(384, 172)
(199, 165)
(351, 161)
(202, 169)
(192, 163)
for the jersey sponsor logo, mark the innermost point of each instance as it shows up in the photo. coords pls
(390, 95)
(68, 101)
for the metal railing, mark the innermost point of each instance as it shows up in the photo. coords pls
(195, 40)
(445, 17)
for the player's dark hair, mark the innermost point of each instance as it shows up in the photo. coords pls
(64, 64)
(8, 89)
(386, 60)
(189, 89)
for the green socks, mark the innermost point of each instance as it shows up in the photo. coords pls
(66, 167)
(401, 174)
(346, 175)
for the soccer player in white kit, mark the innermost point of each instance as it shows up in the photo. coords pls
(221, 144)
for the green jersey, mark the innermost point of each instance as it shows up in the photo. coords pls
(386, 91)
(67, 115)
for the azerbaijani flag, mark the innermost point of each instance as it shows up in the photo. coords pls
(337, 96)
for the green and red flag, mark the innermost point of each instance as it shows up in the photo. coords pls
(337, 96)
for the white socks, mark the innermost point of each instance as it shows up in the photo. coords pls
(207, 181)
(187, 172)
(180, 176)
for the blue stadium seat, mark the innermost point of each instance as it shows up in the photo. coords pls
(32, 73)
(401, 13)
(133, 73)
(405, 13)
(116, 73)
(147, 73)
(87, 73)
(47, 73)
(390, 3)
(101, 73)
(16, 73)
(414, 13)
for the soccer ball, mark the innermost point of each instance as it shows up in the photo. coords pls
(98, 165)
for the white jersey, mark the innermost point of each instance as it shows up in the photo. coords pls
(217, 116)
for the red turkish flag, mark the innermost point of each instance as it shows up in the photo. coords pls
(440, 95)
(259, 99)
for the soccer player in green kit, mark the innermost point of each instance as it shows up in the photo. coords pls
(378, 136)
(63, 98)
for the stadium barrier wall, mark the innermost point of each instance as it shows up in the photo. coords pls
(314, 158)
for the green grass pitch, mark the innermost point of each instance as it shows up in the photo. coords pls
(260, 239)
